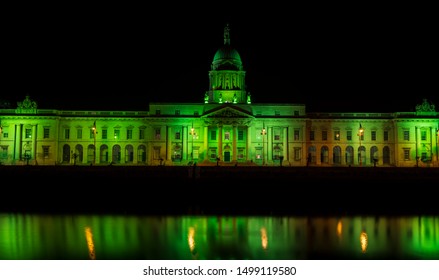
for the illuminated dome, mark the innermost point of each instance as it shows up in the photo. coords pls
(226, 57)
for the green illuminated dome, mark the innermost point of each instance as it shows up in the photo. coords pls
(226, 57)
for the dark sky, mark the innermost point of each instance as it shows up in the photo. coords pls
(333, 59)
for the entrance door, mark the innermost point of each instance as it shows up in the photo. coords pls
(226, 156)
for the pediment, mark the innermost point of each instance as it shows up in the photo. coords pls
(227, 112)
(227, 115)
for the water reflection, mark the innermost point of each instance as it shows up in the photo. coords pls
(215, 237)
(363, 241)
(90, 243)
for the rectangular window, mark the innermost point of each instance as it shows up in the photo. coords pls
(212, 152)
(177, 135)
(46, 133)
(337, 135)
(157, 112)
(406, 154)
(296, 134)
(79, 133)
(157, 134)
(66, 133)
(386, 135)
(227, 135)
(141, 133)
(296, 113)
(324, 135)
(92, 133)
(406, 135)
(104, 134)
(28, 133)
(177, 112)
(129, 134)
(116, 134)
(46, 151)
(312, 135)
(240, 153)
(240, 135)
(213, 135)
(349, 135)
(276, 133)
(424, 135)
(276, 113)
(373, 135)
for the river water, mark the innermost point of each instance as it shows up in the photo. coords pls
(137, 237)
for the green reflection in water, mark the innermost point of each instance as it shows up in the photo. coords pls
(216, 237)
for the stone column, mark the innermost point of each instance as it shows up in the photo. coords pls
(248, 147)
(269, 144)
(220, 142)
(185, 136)
(234, 150)
(206, 143)
(285, 152)
(18, 137)
(169, 143)
(34, 143)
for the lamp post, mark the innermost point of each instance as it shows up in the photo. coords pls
(263, 133)
(94, 142)
(360, 135)
(192, 133)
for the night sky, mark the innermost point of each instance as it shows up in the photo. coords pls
(332, 59)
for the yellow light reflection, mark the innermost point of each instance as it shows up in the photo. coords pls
(264, 238)
(191, 239)
(90, 243)
(339, 228)
(363, 241)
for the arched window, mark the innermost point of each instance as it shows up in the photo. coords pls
(349, 155)
(336, 159)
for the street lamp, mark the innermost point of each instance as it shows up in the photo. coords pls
(94, 142)
(263, 133)
(360, 135)
(193, 134)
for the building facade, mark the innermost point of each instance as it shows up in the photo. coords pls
(225, 128)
